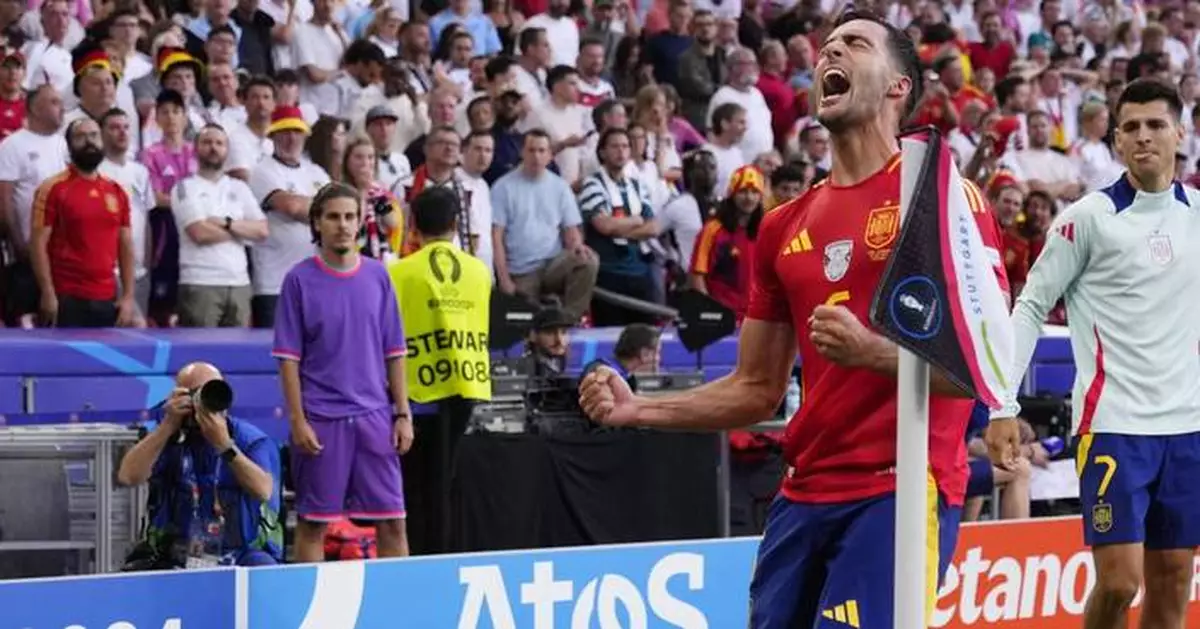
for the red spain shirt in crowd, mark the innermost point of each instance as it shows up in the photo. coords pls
(85, 213)
(830, 246)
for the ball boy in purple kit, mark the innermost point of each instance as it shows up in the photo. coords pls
(340, 346)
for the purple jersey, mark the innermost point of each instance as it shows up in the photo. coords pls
(342, 327)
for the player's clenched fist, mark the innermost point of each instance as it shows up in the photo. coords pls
(605, 397)
(841, 338)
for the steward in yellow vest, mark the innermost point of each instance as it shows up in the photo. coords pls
(444, 295)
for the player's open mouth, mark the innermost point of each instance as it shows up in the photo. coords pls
(834, 84)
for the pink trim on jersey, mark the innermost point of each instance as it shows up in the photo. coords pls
(335, 272)
(399, 352)
(285, 355)
(1092, 397)
(322, 517)
(381, 515)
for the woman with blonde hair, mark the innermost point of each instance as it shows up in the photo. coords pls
(384, 30)
(327, 144)
(381, 234)
(650, 112)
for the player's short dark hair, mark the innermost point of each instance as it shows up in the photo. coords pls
(635, 338)
(722, 114)
(286, 76)
(439, 130)
(110, 114)
(435, 211)
(903, 51)
(327, 193)
(1149, 90)
(1007, 87)
(497, 66)
(535, 133)
(529, 38)
(224, 29)
(259, 80)
(788, 173)
(590, 40)
(609, 134)
(558, 74)
(482, 100)
(475, 134)
(363, 51)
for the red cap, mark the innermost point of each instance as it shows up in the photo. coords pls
(287, 118)
(170, 56)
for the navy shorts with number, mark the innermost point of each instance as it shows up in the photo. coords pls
(1140, 489)
(831, 565)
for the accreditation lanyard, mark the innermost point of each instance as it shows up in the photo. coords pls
(204, 534)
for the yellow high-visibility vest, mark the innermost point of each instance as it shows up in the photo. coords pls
(444, 294)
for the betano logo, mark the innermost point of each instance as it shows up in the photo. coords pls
(487, 602)
(1008, 576)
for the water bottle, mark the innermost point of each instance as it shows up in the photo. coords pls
(791, 402)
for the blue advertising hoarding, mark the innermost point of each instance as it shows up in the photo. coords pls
(696, 585)
(165, 600)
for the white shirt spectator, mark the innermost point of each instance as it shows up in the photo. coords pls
(759, 137)
(321, 47)
(532, 86)
(1064, 110)
(1096, 164)
(135, 179)
(227, 117)
(49, 63)
(246, 150)
(592, 94)
(288, 241)
(721, 9)
(728, 160)
(278, 11)
(350, 92)
(681, 215)
(412, 120)
(1046, 165)
(197, 199)
(391, 168)
(26, 160)
(481, 214)
(563, 35)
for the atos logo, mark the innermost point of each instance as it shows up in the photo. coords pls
(608, 601)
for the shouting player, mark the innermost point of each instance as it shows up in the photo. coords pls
(827, 555)
(1126, 257)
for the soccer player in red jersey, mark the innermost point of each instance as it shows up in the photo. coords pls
(826, 559)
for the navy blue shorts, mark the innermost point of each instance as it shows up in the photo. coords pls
(1140, 489)
(982, 479)
(831, 565)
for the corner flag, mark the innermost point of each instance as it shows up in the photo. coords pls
(939, 297)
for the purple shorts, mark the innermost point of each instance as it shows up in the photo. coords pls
(356, 475)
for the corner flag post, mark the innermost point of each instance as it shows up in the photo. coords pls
(912, 496)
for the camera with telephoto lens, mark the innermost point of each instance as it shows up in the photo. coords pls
(214, 396)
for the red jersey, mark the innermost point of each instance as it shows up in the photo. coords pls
(86, 214)
(1016, 256)
(724, 259)
(830, 246)
(12, 116)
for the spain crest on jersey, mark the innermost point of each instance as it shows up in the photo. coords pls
(939, 296)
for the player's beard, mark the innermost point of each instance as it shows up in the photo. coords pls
(87, 158)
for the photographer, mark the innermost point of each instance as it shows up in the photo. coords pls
(214, 498)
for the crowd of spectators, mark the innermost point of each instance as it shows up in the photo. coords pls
(629, 146)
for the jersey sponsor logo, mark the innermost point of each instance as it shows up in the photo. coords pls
(883, 225)
(1067, 231)
(798, 244)
(837, 259)
(846, 613)
(1160, 249)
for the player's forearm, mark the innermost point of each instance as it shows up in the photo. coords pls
(253, 479)
(138, 464)
(727, 403)
(1027, 318)
(39, 257)
(126, 263)
(886, 360)
(289, 379)
(398, 383)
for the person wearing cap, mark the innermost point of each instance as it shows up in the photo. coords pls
(178, 70)
(12, 97)
(284, 185)
(28, 157)
(172, 158)
(95, 83)
(444, 293)
(549, 339)
(721, 259)
(390, 166)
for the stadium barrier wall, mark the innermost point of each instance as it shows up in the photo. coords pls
(1033, 574)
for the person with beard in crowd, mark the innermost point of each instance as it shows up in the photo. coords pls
(80, 234)
(509, 141)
